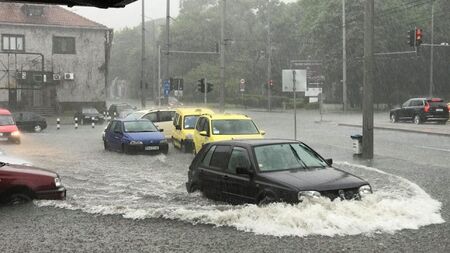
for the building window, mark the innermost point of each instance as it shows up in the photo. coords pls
(63, 45)
(13, 42)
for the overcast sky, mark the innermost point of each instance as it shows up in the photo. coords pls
(130, 16)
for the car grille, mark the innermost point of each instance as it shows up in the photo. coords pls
(347, 194)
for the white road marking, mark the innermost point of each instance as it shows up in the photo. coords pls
(434, 148)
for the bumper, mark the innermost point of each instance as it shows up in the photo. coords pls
(15, 139)
(162, 148)
(57, 194)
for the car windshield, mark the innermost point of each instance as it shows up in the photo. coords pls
(234, 127)
(287, 156)
(6, 120)
(139, 126)
(135, 115)
(90, 110)
(190, 121)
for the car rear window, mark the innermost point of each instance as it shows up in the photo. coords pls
(190, 121)
(220, 157)
(437, 104)
(234, 127)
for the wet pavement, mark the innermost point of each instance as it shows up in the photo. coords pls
(138, 203)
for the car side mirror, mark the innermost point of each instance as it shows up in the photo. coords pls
(243, 171)
(161, 130)
(262, 132)
(178, 127)
(203, 133)
(329, 161)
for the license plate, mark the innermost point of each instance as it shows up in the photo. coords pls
(152, 148)
(440, 110)
(3, 139)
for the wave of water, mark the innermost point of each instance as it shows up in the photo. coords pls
(395, 205)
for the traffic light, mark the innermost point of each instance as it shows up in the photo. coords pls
(210, 87)
(418, 36)
(412, 38)
(201, 85)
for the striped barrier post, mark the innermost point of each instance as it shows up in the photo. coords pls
(93, 122)
(58, 124)
(76, 123)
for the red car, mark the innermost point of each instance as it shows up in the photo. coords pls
(8, 129)
(21, 184)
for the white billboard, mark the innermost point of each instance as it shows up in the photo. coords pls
(313, 92)
(288, 80)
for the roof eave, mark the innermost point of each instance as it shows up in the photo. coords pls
(57, 26)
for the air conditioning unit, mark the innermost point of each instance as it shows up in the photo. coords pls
(57, 77)
(68, 76)
(21, 75)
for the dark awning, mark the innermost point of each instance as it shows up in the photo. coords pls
(96, 3)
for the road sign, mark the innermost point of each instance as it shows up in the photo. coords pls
(288, 80)
(313, 92)
(166, 87)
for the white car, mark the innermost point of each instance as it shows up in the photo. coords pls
(162, 118)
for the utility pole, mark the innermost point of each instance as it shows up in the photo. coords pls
(142, 93)
(344, 59)
(432, 50)
(269, 58)
(222, 57)
(205, 95)
(367, 141)
(168, 39)
(159, 75)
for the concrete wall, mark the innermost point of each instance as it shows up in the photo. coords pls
(87, 64)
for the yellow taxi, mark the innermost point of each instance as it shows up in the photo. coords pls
(184, 123)
(222, 127)
(162, 118)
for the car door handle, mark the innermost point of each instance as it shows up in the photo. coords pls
(225, 177)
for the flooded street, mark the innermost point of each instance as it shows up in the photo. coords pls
(142, 188)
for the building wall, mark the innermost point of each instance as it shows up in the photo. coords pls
(87, 64)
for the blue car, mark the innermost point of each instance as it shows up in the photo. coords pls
(131, 136)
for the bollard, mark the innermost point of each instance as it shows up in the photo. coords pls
(76, 123)
(93, 122)
(107, 117)
(58, 124)
(115, 115)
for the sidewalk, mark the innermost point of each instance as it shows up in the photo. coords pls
(381, 122)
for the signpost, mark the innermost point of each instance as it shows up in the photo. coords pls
(242, 89)
(294, 80)
(166, 88)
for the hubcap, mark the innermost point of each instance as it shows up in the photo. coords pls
(37, 128)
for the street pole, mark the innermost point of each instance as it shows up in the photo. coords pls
(142, 95)
(269, 59)
(344, 59)
(222, 57)
(294, 89)
(367, 141)
(168, 39)
(432, 51)
(159, 75)
(205, 97)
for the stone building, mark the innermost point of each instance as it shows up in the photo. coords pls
(51, 58)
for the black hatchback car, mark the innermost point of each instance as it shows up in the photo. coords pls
(265, 171)
(88, 115)
(29, 121)
(420, 110)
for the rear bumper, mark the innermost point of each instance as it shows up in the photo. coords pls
(440, 117)
(57, 194)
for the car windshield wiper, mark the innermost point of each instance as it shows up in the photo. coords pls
(298, 157)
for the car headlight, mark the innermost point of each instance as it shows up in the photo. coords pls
(163, 141)
(15, 133)
(57, 182)
(189, 136)
(136, 143)
(365, 190)
(302, 195)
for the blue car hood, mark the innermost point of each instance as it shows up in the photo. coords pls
(145, 136)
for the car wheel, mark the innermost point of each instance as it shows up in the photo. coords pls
(17, 141)
(105, 145)
(193, 188)
(183, 147)
(37, 128)
(19, 198)
(394, 118)
(417, 120)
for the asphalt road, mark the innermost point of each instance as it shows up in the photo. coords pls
(122, 203)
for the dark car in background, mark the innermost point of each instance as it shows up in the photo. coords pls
(20, 184)
(30, 121)
(265, 171)
(131, 136)
(420, 110)
(88, 115)
(120, 110)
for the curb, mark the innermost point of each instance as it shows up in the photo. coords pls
(397, 129)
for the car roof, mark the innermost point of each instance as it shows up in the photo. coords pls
(254, 142)
(228, 116)
(156, 109)
(4, 111)
(194, 111)
(132, 120)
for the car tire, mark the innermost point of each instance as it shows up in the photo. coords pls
(417, 120)
(105, 145)
(19, 198)
(267, 199)
(37, 128)
(394, 118)
(183, 147)
(17, 141)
